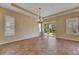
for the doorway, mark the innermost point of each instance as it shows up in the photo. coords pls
(50, 28)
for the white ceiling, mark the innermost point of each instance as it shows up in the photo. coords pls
(46, 8)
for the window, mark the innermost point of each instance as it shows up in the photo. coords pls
(72, 25)
(9, 26)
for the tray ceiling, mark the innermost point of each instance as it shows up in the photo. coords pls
(46, 8)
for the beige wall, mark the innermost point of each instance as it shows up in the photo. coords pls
(61, 26)
(26, 26)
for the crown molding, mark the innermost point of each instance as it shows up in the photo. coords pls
(62, 13)
(19, 7)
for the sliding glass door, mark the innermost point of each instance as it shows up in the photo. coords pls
(50, 28)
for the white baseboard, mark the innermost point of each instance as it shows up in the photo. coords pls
(67, 38)
(19, 38)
